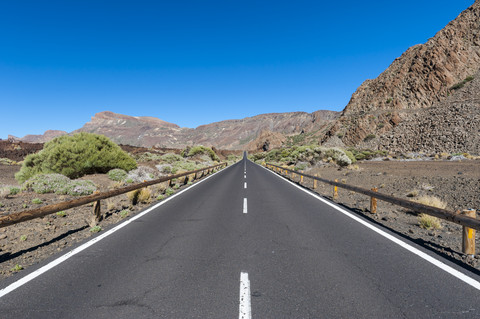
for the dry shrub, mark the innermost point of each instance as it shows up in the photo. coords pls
(116, 185)
(4, 192)
(413, 193)
(145, 195)
(429, 222)
(111, 204)
(133, 196)
(431, 201)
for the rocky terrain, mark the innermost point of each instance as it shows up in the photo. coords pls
(452, 125)
(421, 78)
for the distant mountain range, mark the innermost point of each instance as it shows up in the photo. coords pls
(230, 134)
(427, 100)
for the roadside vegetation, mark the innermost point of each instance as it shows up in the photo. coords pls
(302, 157)
(75, 156)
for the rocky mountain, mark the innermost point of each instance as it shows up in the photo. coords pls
(41, 138)
(422, 77)
(229, 134)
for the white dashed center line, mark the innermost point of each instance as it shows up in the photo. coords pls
(244, 205)
(245, 311)
(245, 185)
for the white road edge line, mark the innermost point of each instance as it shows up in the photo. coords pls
(245, 308)
(244, 205)
(472, 282)
(245, 185)
(59, 260)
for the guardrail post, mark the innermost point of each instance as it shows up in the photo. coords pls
(315, 182)
(301, 177)
(335, 190)
(373, 202)
(468, 242)
(96, 211)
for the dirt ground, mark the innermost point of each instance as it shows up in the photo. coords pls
(456, 183)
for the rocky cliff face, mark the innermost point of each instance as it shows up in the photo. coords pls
(450, 126)
(420, 78)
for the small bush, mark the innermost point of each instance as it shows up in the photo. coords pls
(23, 237)
(369, 137)
(117, 174)
(61, 214)
(16, 268)
(46, 183)
(75, 156)
(37, 201)
(171, 158)
(78, 188)
(196, 150)
(143, 173)
(14, 190)
(95, 229)
(4, 192)
(169, 191)
(160, 197)
(429, 222)
(124, 213)
(59, 184)
(351, 156)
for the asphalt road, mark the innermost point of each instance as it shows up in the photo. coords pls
(191, 258)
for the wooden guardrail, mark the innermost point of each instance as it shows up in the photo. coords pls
(467, 220)
(19, 217)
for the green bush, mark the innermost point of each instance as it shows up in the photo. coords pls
(36, 201)
(75, 156)
(171, 158)
(117, 174)
(196, 150)
(351, 156)
(14, 190)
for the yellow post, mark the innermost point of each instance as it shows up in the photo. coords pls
(335, 190)
(468, 242)
(315, 182)
(373, 202)
(301, 178)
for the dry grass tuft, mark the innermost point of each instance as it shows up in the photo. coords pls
(111, 204)
(431, 201)
(145, 195)
(133, 196)
(413, 193)
(429, 222)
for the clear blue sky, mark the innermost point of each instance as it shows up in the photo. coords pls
(196, 62)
